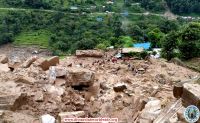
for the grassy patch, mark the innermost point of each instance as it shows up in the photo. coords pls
(39, 38)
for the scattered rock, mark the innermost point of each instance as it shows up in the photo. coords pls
(39, 96)
(53, 61)
(13, 65)
(141, 69)
(120, 87)
(26, 80)
(60, 82)
(3, 59)
(171, 73)
(160, 78)
(48, 119)
(29, 61)
(54, 90)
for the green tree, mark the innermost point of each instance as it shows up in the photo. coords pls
(169, 44)
(190, 38)
(155, 37)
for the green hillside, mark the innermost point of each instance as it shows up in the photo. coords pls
(66, 25)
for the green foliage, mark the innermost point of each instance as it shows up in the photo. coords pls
(127, 41)
(167, 26)
(169, 43)
(144, 54)
(190, 38)
(153, 5)
(155, 37)
(184, 6)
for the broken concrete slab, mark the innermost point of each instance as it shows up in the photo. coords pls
(76, 114)
(191, 94)
(119, 87)
(4, 68)
(89, 53)
(53, 61)
(29, 61)
(3, 59)
(77, 76)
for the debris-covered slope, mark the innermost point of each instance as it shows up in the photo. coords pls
(131, 90)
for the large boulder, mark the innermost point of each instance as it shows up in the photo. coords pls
(3, 59)
(56, 71)
(53, 61)
(89, 53)
(152, 109)
(79, 76)
(43, 63)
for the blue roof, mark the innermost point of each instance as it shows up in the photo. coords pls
(146, 45)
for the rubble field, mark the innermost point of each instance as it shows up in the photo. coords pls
(131, 90)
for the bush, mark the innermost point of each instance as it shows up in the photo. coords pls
(144, 54)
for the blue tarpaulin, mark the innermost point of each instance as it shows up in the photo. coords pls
(146, 45)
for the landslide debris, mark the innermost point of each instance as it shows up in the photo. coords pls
(131, 90)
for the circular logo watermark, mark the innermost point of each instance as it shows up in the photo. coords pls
(191, 114)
